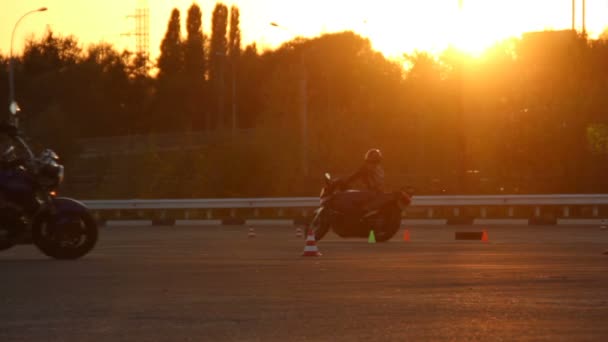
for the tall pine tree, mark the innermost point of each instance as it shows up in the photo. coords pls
(194, 67)
(171, 58)
(234, 51)
(217, 59)
(170, 101)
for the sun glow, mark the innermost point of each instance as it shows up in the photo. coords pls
(480, 24)
(397, 27)
(394, 27)
(473, 26)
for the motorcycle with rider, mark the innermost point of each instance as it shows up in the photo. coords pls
(30, 210)
(354, 213)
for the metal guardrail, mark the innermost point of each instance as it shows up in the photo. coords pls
(311, 202)
(220, 203)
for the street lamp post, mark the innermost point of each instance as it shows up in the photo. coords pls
(221, 90)
(233, 121)
(303, 109)
(233, 84)
(14, 108)
(463, 163)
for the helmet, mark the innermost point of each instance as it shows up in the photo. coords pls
(373, 156)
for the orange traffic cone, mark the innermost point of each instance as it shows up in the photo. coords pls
(406, 235)
(299, 232)
(251, 233)
(310, 249)
(484, 236)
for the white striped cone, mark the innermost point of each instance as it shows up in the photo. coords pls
(251, 233)
(299, 232)
(310, 249)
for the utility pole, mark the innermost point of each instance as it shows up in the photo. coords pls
(234, 118)
(573, 15)
(584, 18)
(462, 163)
(304, 112)
(222, 120)
(303, 106)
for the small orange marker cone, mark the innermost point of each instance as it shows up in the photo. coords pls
(406, 235)
(310, 249)
(484, 236)
(251, 233)
(299, 232)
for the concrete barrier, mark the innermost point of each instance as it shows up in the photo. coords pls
(504, 222)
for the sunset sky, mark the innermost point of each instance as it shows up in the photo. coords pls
(394, 26)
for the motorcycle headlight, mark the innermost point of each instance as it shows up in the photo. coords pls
(52, 174)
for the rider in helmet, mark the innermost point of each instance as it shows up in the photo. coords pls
(371, 174)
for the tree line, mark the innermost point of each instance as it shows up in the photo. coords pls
(528, 116)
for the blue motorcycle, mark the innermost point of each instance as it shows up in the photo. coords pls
(30, 212)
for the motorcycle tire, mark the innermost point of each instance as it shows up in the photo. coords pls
(320, 227)
(321, 231)
(48, 237)
(390, 227)
(7, 240)
(6, 244)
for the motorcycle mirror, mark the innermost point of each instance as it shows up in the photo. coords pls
(14, 108)
(10, 150)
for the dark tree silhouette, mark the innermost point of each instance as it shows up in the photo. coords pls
(533, 112)
(171, 60)
(248, 89)
(194, 58)
(217, 61)
(170, 110)
(234, 52)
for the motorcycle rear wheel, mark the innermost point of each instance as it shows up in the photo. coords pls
(6, 240)
(390, 227)
(6, 244)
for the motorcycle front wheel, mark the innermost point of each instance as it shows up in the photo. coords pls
(68, 236)
(320, 225)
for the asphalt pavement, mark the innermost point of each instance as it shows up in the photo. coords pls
(216, 284)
